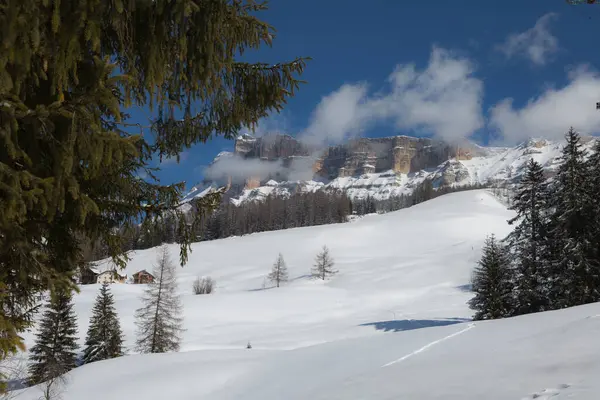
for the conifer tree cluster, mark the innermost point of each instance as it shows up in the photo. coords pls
(56, 351)
(158, 321)
(297, 210)
(554, 249)
(422, 192)
(70, 158)
(274, 213)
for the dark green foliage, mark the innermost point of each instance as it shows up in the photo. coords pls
(104, 337)
(159, 322)
(574, 271)
(55, 349)
(300, 209)
(492, 283)
(297, 210)
(556, 242)
(529, 240)
(593, 188)
(70, 158)
(422, 192)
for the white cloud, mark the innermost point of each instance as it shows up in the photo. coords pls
(537, 43)
(337, 116)
(552, 113)
(273, 124)
(444, 100)
(239, 168)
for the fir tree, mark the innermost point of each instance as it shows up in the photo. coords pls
(323, 266)
(529, 239)
(593, 188)
(159, 320)
(104, 337)
(71, 158)
(279, 272)
(492, 283)
(55, 350)
(574, 271)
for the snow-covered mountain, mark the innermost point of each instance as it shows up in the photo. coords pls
(480, 165)
(393, 323)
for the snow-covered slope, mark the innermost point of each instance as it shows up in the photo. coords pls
(393, 324)
(498, 164)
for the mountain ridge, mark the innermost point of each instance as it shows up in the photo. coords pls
(381, 168)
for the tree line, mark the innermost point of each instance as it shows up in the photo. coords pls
(423, 191)
(551, 260)
(159, 325)
(274, 213)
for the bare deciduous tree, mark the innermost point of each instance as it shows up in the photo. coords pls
(53, 388)
(279, 272)
(159, 322)
(12, 373)
(323, 265)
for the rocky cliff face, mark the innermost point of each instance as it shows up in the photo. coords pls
(379, 168)
(401, 154)
(270, 147)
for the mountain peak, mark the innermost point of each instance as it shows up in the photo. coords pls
(379, 167)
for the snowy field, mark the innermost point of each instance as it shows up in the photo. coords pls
(393, 324)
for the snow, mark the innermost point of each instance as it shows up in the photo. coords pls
(198, 192)
(245, 138)
(495, 164)
(393, 324)
(280, 189)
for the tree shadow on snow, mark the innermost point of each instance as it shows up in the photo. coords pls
(306, 276)
(411, 324)
(272, 286)
(262, 289)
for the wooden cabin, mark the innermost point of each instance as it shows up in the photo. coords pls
(111, 276)
(88, 275)
(143, 277)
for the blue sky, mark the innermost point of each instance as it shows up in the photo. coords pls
(489, 71)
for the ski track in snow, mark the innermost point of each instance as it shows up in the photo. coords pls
(428, 345)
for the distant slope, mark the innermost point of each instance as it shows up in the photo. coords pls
(410, 267)
(411, 260)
